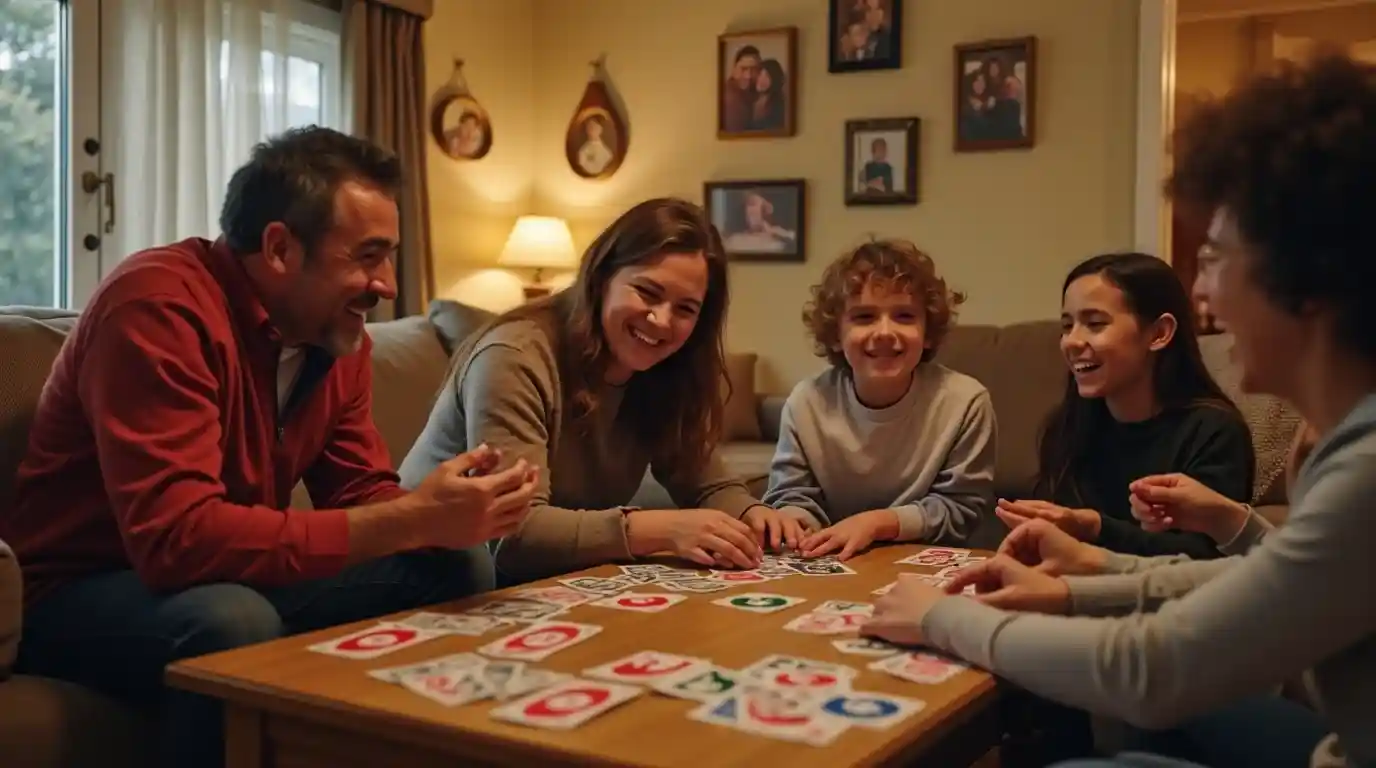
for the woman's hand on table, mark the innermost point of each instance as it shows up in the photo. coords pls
(1003, 582)
(898, 615)
(1042, 546)
(708, 537)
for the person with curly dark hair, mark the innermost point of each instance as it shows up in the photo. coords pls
(883, 445)
(1286, 163)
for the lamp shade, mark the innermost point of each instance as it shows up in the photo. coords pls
(539, 242)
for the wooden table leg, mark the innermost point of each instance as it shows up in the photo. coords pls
(243, 737)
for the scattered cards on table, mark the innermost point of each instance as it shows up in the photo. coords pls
(941, 557)
(375, 641)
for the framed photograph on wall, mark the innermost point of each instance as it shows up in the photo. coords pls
(763, 220)
(757, 88)
(996, 94)
(882, 160)
(864, 35)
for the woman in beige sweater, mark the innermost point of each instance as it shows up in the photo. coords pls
(621, 372)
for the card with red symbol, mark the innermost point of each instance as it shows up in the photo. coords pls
(538, 641)
(566, 705)
(647, 667)
(643, 602)
(937, 557)
(827, 623)
(920, 667)
(557, 595)
(450, 687)
(804, 681)
(739, 577)
(772, 713)
(375, 641)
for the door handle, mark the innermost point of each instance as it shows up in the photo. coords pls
(91, 182)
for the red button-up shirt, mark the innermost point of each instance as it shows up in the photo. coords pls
(157, 444)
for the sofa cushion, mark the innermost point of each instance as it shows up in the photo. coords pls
(409, 366)
(1021, 366)
(46, 723)
(741, 416)
(455, 321)
(11, 610)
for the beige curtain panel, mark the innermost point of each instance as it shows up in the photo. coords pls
(385, 58)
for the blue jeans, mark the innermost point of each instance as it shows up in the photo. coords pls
(1261, 732)
(110, 633)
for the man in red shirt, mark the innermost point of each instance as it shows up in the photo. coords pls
(202, 382)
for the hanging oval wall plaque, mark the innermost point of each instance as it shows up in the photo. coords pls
(458, 122)
(597, 138)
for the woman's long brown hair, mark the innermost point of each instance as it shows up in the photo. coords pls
(1179, 377)
(675, 408)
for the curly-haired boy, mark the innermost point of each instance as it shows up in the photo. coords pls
(884, 445)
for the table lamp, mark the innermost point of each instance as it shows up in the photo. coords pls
(539, 243)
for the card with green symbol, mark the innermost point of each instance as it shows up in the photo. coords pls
(759, 602)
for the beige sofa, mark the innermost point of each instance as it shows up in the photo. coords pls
(47, 723)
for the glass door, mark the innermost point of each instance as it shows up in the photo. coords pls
(49, 129)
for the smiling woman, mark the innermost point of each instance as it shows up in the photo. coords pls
(620, 372)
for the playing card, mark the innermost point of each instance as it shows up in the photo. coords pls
(556, 595)
(450, 687)
(709, 684)
(936, 557)
(598, 585)
(783, 716)
(826, 623)
(865, 646)
(639, 578)
(566, 705)
(652, 569)
(884, 590)
(644, 602)
(844, 606)
(805, 680)
(646, 667)
(453, 624)
(374, 641)
(452, 661)
(871, 710)
(919, 667)
(680, 574)
(738, 577)
(759, 602)
(696, 584)
(509, 679)
(775, 571)
(538, 641)
(518, 610)
(779, 661)
(820, 568)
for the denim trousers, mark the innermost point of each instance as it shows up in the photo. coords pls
(109, 632)
(1261, 732)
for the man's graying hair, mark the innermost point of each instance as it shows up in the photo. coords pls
(293, 178)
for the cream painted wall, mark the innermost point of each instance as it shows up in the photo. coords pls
(1002, 226)
(473, 204)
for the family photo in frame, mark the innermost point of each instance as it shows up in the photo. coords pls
(996, 94)
(882, 160)
(761, 220)
(864, 35)
(757, 83)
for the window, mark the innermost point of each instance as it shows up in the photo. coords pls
(313, 63)
(47, 87)
(101, 151)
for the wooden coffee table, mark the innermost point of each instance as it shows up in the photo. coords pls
(286, 706)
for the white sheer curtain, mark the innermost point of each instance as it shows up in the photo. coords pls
(188, 87)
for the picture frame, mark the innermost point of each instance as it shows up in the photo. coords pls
(752, 102)
(461, 127)
(759, 220)
(864, 35)
(882, 160)
(991, 116)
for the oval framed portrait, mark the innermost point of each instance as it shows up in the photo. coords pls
(595, 144)
(461, 127)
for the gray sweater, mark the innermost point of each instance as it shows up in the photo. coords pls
(1190, 637)
(929, 457)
